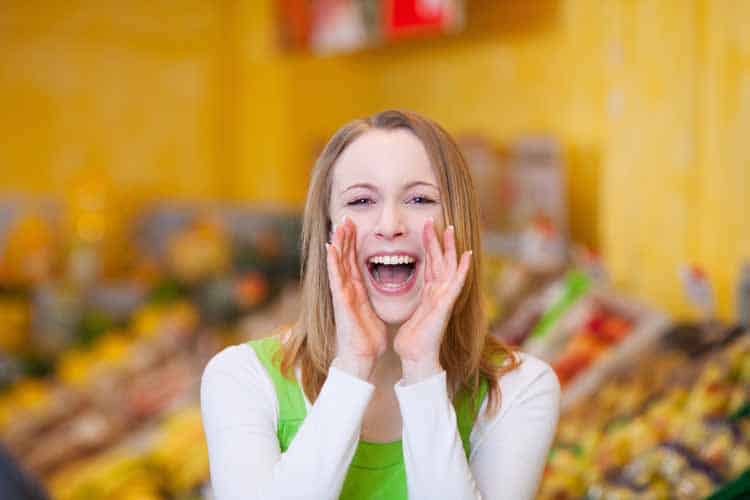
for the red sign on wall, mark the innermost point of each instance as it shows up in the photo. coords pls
(406, 18)
(345, 25)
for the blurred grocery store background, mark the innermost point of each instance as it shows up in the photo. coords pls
(154, 161)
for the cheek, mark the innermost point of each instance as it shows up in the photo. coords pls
(417, 221)
(365, 222)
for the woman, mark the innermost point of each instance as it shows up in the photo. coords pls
(389, 385)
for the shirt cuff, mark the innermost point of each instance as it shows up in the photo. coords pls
(346, 387)
(424, 393)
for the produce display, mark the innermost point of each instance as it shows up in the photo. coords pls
(100, 370)
(674, 425)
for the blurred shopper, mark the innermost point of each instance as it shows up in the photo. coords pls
(389, 385)
(15, 484)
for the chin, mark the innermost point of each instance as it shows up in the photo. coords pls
(394, 314)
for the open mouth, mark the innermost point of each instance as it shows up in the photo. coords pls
(392, 273)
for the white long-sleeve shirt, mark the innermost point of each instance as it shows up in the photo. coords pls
(240, 414)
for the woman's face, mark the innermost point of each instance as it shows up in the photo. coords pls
(384, 182)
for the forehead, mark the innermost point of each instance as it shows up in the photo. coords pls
(385, 158)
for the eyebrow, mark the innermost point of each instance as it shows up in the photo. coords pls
(359, 185)
(422, 183)
(410, 185)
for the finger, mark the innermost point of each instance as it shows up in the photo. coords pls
(334, 274)
(463, 271)
(339, 236)
(449, 244)
(344, 250)
(353, 257)
(432, 246)
(427, 264)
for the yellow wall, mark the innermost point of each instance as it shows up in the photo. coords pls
(97, 85)
(675, 177)
(651, 99)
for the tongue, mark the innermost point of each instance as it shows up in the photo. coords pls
(393, 275)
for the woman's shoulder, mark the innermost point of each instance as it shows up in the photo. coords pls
(239, 361)
(235, 389)
(532, 388)
(529, 366)
(532, 378)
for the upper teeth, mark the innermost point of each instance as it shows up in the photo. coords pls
(392, 260)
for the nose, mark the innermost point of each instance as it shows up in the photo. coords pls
(390, 223)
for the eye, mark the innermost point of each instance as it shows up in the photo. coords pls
(421, 200)
(360, 202)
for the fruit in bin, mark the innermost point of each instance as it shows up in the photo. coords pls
(200, 252)
(716, 451)
(663, 414)
(570, 365)
(737, 397)
(614, 451)
(77, 366)
(694, 485)
(74, 366)
(577, 356)
(614, 329)
(251, 290)
(563, 477)
(658, 490)
(15, 324)
(693, 433)
(151, 392)
(180, 454)
(113, 476)
(608, 327)
(710, 396)
(739, 460)
(32, 393)
(673, 465)
(112, 348)
(561, 486)
(642, 470)
(31, 251)
(26, 395)
(176, 318)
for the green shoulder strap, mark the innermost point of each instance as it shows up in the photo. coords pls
(292, 409)
(467, 409)
(291, 402)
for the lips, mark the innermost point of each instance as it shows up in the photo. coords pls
(392, 273)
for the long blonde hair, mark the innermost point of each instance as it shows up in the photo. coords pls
(467, 351)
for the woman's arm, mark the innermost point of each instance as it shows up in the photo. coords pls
(239, 409)
(509, 450)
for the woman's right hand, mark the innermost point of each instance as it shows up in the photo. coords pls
(360, 334)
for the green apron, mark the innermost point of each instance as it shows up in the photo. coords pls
(377, 469)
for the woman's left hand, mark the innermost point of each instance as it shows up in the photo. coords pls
(419, 339)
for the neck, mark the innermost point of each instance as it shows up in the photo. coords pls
(388, 367)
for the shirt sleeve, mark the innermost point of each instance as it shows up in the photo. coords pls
(509, 449)
(240, 415)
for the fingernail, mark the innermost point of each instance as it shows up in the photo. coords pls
(451, 227)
